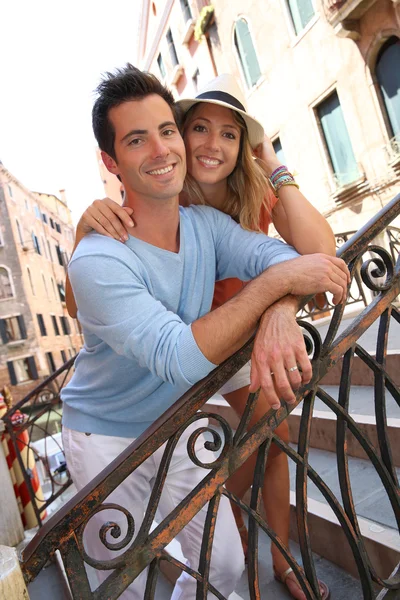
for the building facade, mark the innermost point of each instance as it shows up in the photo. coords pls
(322, 76)
(36, 239)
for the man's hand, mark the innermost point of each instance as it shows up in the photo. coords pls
(278, 348)
(316, 273)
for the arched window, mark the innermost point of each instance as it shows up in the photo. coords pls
(388, 75)
(45, 286)
(301, 11)
(246, 53)
(6, 290)
(21, 239)
(54, 288)
(30, 280)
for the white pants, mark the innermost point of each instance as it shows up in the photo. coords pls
(239, 380)
(87, 455)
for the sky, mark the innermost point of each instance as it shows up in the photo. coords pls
(52, 57)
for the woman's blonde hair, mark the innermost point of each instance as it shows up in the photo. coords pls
(247, 184)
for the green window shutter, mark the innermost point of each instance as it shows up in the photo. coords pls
(3, 331)
(32, 368)
(388, 75)
(337, 140)
(302, 11)
(22, 328)
(11, 371)
(247, 53)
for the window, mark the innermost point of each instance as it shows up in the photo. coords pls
(246, 53)
(301, 11)
(10, 191)
(51, 223)
(63, 356)
(55, 325)
(59, 255)
(23, 369)
(26, 204)
(36, 244)
(337, 140)
(61, 291)
(50, 362)
(58, 228)
(41, 324)
(6, 290)
(161, 66)
(44, 218)
(195, 80)
(45, 285)
(65, 325)
(12, 329)
(45, 247)
(38, 214)
(187, 13)
(279, 151)
(172, 49)
(54, 288)
(388, 76)
(49, 247)
(21, 239)
(30, 280)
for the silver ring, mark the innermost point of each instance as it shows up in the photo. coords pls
(293, 369)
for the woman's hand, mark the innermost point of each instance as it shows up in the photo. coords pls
(108, 218)
(266, 153)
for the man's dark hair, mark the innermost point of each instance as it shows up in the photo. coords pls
(128, 83)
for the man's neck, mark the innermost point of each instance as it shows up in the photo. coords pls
(156, 221)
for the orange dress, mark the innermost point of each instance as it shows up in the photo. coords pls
(227, 288)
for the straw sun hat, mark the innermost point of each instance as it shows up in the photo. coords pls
(225, 91)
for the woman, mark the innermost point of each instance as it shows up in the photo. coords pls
(220, 139)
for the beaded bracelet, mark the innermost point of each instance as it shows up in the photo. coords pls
(280, 177)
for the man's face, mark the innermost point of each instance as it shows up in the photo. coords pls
(150, 153)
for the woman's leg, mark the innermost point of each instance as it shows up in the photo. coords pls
(275, 490)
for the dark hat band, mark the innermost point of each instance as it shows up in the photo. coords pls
(223, 97)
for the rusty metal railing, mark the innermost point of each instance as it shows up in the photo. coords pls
(320, 305)
(38, 417)
(64, 531)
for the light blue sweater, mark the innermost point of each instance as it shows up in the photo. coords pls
(136, 303)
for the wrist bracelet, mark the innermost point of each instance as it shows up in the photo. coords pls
(280, 177)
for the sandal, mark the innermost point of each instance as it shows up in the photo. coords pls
(285, 579)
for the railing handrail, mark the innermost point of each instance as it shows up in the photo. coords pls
(370, 230)
(170, 421)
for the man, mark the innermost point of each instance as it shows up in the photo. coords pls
(144, 309)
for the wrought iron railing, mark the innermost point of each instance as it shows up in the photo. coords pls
(64, 531)
(321, 305)
(38, 417)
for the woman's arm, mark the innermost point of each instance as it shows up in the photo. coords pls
(297, 221)
(106, 217)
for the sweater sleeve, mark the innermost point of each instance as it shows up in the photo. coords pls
(116, 306)
(245, 254)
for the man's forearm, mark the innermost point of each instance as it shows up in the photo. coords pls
(224, 330)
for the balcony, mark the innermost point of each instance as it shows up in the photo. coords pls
(344, 15)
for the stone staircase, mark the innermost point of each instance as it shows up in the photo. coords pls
(335, 563)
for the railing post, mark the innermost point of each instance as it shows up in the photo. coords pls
(12, 584)
(11, 529)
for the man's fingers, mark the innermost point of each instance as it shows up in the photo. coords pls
(282, 384)
(304, 364)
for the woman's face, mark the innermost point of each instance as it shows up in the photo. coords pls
(212, 140)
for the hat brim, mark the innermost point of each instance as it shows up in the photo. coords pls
(254, 128)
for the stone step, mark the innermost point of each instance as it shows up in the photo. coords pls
(323, 428)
